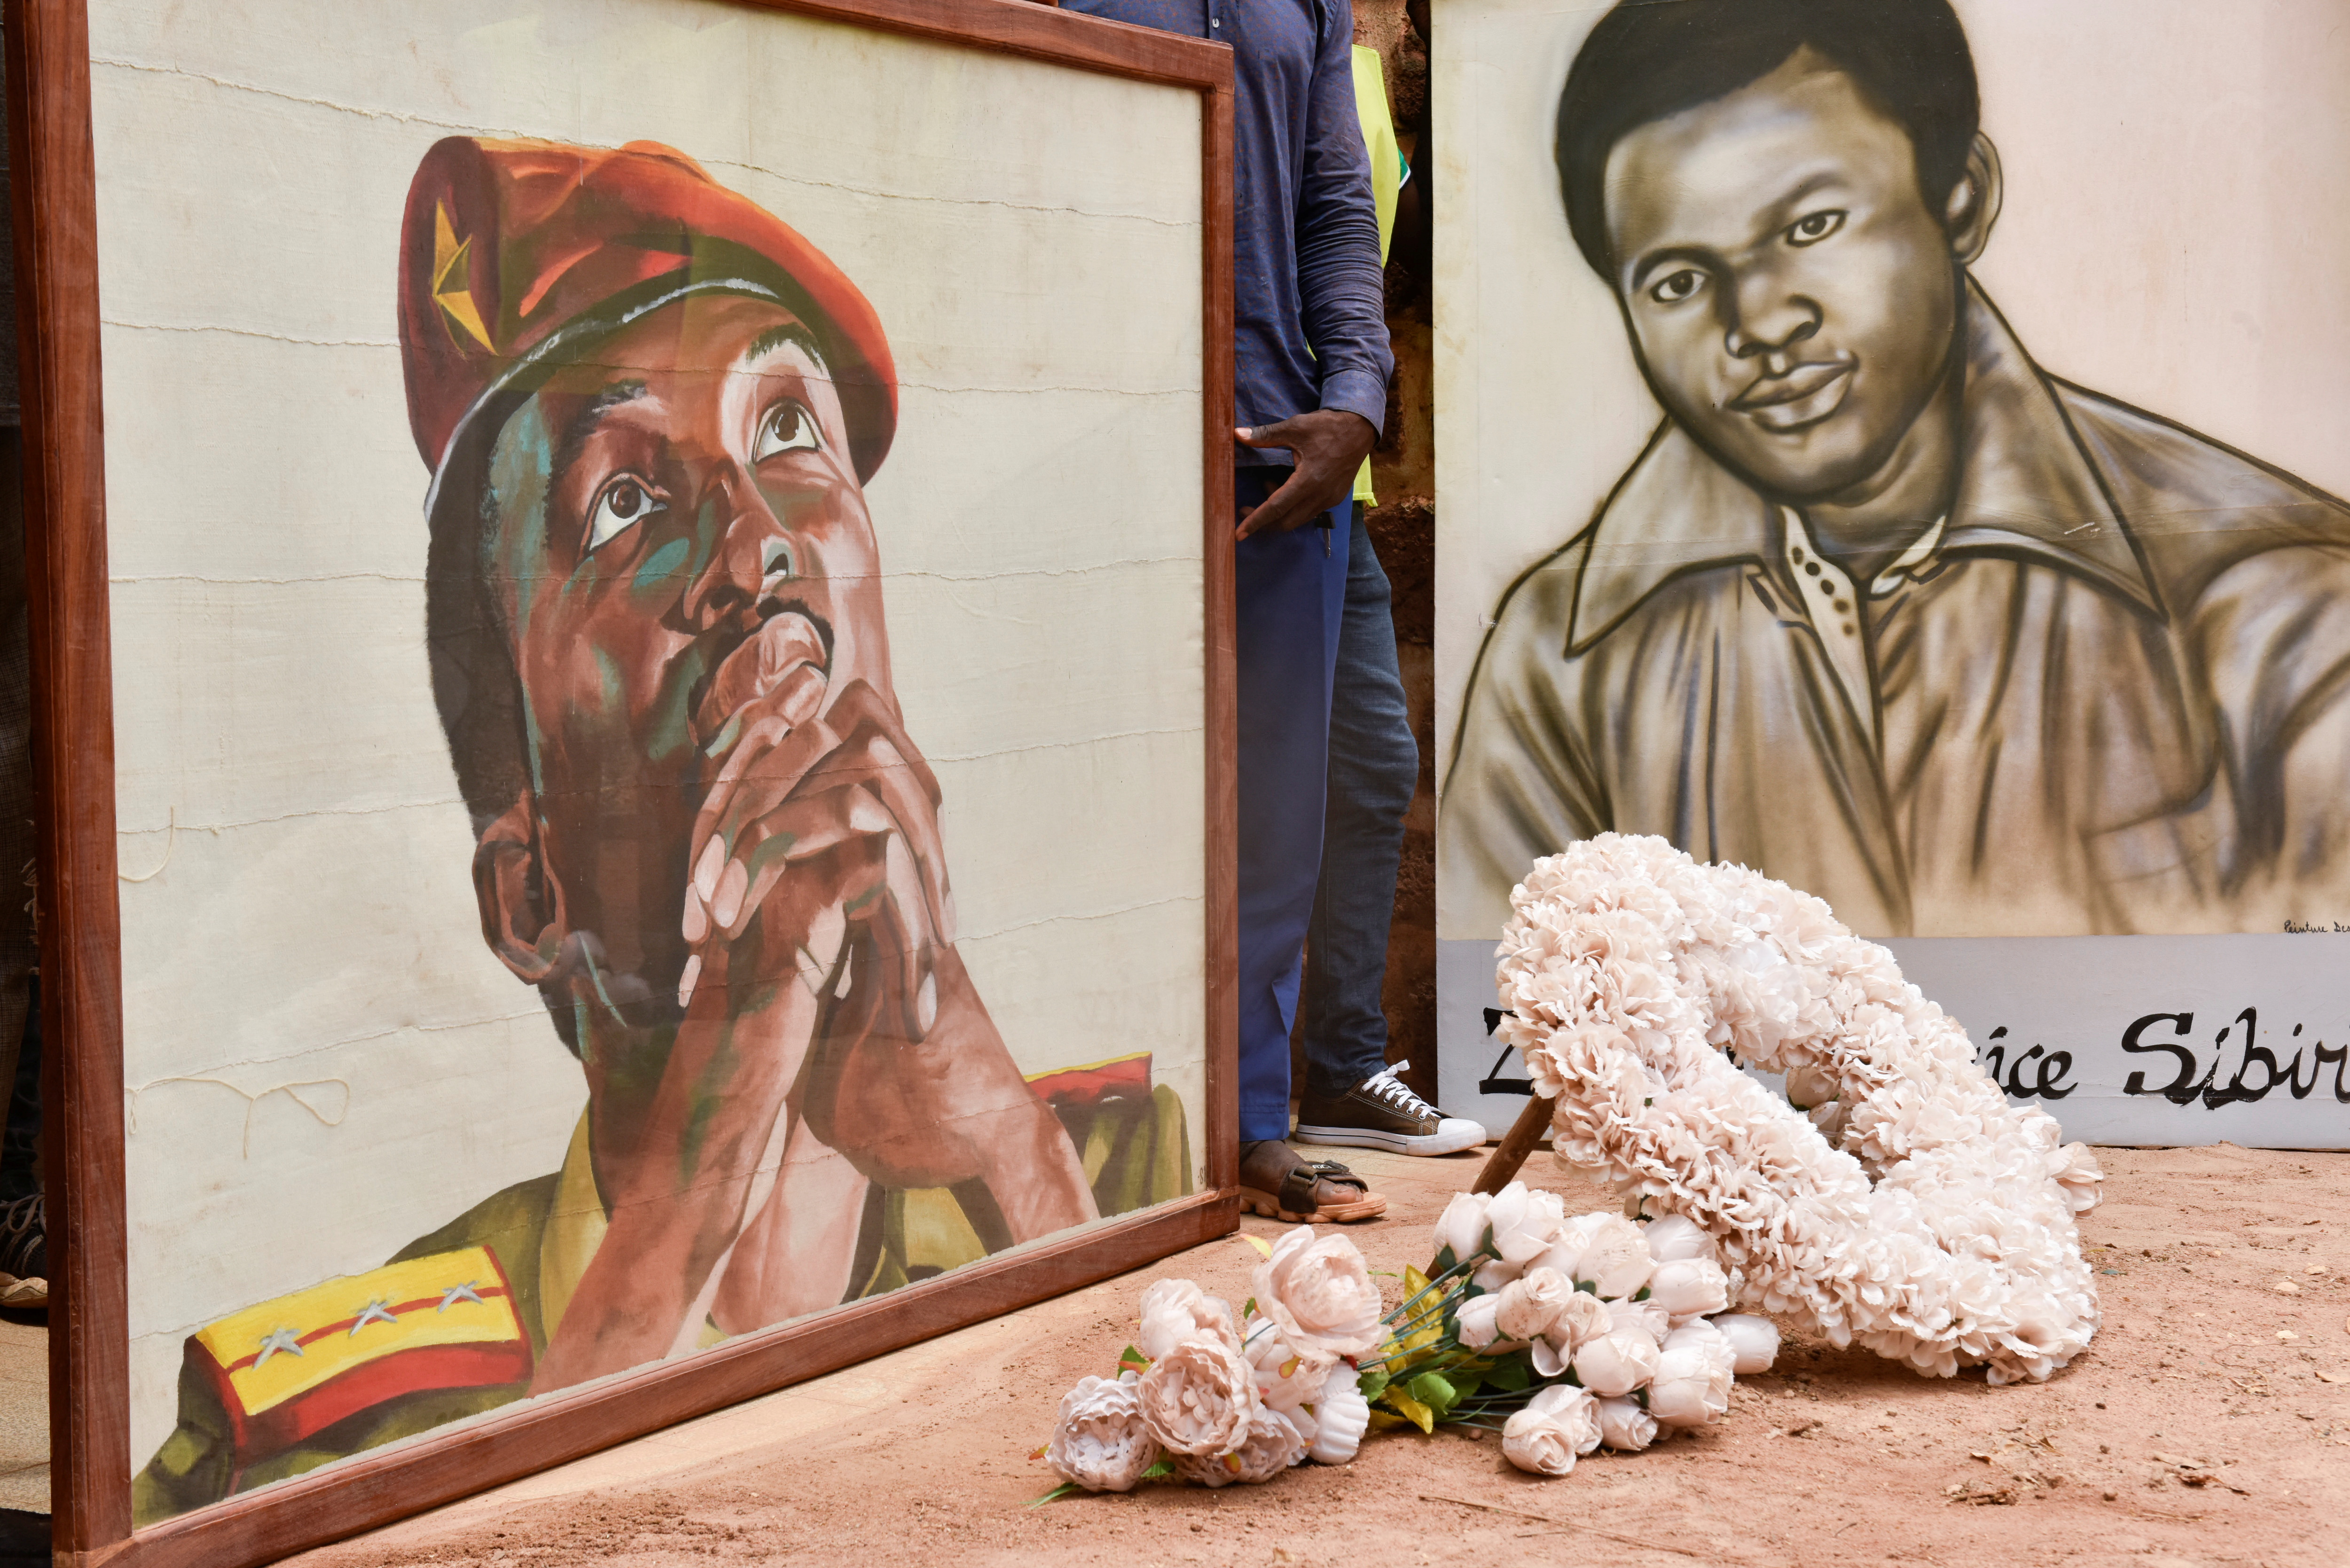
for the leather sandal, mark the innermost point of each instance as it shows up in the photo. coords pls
(1315, 1192)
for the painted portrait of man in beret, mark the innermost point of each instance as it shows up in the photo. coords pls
(1885, 609)
(660, 653)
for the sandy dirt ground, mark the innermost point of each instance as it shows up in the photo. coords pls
(2208, 1424)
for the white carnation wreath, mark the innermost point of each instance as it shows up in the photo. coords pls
(1910, 1208)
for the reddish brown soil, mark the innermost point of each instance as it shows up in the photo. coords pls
(2209, 1423)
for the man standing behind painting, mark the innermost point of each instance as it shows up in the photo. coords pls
(1310, 369)
(1885, 610)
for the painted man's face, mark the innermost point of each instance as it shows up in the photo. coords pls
(1791, 294)
(687, 496)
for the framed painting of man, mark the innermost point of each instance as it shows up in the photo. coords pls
(631, 638)
(1905, 459)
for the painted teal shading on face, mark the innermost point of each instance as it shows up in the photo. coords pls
(514, 544)
(538, 555)
(662, 571)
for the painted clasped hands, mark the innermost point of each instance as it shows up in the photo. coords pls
(795, 788)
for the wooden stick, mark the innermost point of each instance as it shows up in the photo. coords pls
(1502, 1165)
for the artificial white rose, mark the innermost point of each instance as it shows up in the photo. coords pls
(1700, 1334)
(1342, 1417)
(1285, 1377)
(1572, 1409)
(1492, 1276)
(1565, 1252)
(1525, 1223)
(1269, 1446)
(1320, 1293)
(1537, 1444)
(1199, 1397)
(1691, 1331)
(1476, 1327)
(1582, 1318)
(1462, 1226)
(1177, 1310)
(1690, 1387)
(1646, 1316)
(1616, 1256)
(1754, 1341)
(1532, 1302)
(1625, 1426)
(1688, 1285)
(1616, 1362)
(1555, 1428)
(1677, 1236)
(1101, 1441)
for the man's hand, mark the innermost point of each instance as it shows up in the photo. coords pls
(1329, 445)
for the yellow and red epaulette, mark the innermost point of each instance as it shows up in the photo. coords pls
(1117, 1078)
(289, 1368)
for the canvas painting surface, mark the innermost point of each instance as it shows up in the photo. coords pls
(2074, 746)
(657, 605)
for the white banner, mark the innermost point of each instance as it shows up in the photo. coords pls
(2124, 1040)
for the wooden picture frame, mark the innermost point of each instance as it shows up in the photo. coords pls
(50, 130)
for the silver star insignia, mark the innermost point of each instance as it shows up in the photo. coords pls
(373, 1312)
(279, 1339)
(456, 1293)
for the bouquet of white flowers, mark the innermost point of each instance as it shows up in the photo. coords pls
(1564, 1333)
(1560, 1333)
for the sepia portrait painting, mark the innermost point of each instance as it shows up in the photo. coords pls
(668, 808)
(1855, 577)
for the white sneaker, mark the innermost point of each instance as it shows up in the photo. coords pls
(1380, 1113)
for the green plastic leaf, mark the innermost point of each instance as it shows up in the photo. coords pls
(1435, 1390)
(1248, 1307)
(1442, 1261)
(1411, 1409)
(1373, 1383)
(1386, 1421)
(1514, 1372)
(1057, 1494)
(1134, 1358)
(1591, 1285)
(1161, 1470)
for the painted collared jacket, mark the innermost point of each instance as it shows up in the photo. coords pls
(2109, 692)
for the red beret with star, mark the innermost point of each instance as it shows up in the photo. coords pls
(511, 251)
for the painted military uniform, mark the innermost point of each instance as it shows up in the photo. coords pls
(453, 1325)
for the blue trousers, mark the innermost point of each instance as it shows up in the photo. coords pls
(1374, 770)
(1289, 595)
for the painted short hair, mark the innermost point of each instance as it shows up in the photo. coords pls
(1645, 61)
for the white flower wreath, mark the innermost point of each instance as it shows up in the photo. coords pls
(1913, 1210)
